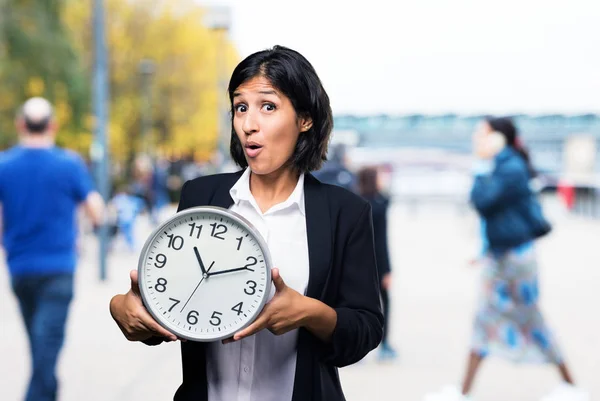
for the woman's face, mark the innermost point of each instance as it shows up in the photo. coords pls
(480, 133)
(483, 128)
(486, 142)
(266, 124)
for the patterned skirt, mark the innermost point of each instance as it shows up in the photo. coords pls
(508, 322)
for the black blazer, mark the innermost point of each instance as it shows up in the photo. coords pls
(343, 275)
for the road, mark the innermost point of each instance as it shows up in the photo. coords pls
(434, 296)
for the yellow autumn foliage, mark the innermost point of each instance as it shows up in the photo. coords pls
(184, 86)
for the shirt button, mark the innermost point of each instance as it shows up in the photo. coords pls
(246, 369)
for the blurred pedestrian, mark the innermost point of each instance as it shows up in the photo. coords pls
(160, 189)
(142, 184)
(41, 187)
(335, 170)
(369, 187)
(508, 322)
(126, 208)
(191, 169)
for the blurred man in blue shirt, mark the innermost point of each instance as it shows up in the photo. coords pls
(41, 187)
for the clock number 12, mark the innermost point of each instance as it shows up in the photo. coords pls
(218, 234)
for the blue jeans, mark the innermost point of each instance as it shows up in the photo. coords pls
(44, 303)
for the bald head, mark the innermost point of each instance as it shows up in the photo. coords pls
(36, 116)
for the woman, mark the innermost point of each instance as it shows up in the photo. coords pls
(508, 322)
(326, 311)
(369, 188)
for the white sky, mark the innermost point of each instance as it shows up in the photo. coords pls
(436, 56)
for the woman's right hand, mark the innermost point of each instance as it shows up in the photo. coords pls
(132, 317)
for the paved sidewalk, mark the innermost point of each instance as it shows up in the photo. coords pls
(433, 301)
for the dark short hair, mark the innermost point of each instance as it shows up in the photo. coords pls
(290, 73)
(506, 127)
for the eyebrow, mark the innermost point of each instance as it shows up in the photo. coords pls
(266, 92)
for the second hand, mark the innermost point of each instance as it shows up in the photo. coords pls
(201, 280)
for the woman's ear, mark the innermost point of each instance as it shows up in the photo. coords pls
(305, 123)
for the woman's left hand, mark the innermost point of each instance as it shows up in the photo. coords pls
(285, 312)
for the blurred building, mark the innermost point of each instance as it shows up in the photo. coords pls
(429, 156)
(544, 135)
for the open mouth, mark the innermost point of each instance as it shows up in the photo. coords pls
(253, 149)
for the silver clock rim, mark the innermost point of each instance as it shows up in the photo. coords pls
(193, 210)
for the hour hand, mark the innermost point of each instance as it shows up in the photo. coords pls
(199, 260)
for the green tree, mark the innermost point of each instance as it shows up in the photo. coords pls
(38, 59)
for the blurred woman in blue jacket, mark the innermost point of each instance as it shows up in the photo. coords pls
(508, 322)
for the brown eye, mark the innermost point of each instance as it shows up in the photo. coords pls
(240, 108)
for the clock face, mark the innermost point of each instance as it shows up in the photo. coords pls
(205, 274)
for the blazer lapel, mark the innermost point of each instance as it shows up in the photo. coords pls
(318, 230)
(221, 197)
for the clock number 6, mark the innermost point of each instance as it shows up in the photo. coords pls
(192, 317)
(252, 285)
(215, 320)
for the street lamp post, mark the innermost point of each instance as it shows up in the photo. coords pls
(218, 19)
(146, 71)
(99, 150)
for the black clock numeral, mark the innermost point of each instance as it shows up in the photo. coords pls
(239, 242)
(192, 317)
(195, 227)
(175, 241)
(161, 260)
(252, 285)
(238, 308)
(215, 320)
(175, 304)
(251, 263)
(161, 284)
(217, 234)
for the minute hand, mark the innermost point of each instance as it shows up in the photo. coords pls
(230, 271)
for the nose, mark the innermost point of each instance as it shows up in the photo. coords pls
(250, 124)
